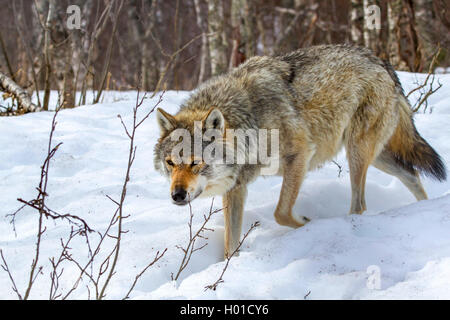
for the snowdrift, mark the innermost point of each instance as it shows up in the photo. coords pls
(398, 249)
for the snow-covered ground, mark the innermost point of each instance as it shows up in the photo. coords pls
(335, 256)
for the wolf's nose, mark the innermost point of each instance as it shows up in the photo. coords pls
(179, 195)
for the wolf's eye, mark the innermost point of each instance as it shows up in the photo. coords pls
(169, 162)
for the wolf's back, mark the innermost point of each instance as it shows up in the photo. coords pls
(407, 147)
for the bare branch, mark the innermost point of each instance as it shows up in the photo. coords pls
(220, 280)
(339, 168)
(23, 99)
(119, 212)
(426, 93)
(171, 58)
(6, 269)
(157, 257)
(190, 248)
(54, 274)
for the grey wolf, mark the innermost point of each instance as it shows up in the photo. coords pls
(320, 99)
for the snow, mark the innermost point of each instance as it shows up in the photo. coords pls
(405, 242)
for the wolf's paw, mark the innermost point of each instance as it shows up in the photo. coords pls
(291, 220)
(226, 255)
(300, 220)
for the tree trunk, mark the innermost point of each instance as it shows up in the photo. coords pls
(237, 56)
(424, 25)
(217, 41)
(298, 30)
(47, 62)
(5, 55)
(68, 92)
(262, 33)
(23, 99)
(404, 51)
(202, 25)
(249, 15)
(27, 62)
(357, 22)
(99, 27)
(104, 75)
(63, 57)
(142, 27)
(371, 30)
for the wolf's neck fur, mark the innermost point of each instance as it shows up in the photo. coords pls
(227, 93)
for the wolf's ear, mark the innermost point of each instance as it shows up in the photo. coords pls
(215, 120)
(166, 121)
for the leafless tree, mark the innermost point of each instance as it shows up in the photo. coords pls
(357, 22)
(47, 59)
(202, 24)
(217, 42)
(101, 278)
(110, 50)
(404, 51)
(114, 19)
(40, 205)
(119, 214)
(426, 89)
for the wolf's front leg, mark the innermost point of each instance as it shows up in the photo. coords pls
(233, 203)
(294, 170)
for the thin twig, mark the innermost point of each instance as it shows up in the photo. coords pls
(190, 248)
(424, 95)
(55, 275)
(339, 168)
(39, 204)
(171, 58)
(220, 280)
(11, 278)
(157, 257)
(107, 268)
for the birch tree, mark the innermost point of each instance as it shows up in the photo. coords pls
(24, 101)
(357, 22)
(372, 25)
(425, 21)
(203, 26)
(404, 51)
(237, 56)
(46, 53)
(217, 40)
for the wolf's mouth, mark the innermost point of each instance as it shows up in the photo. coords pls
(180, 203)
(195, 195)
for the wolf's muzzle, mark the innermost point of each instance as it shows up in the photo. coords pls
(179, 196)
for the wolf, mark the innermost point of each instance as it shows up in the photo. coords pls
(319, 99)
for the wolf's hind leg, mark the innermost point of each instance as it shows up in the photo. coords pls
(369, 130)
(233, 203)
(360, 155)
(386, 163)
(358, 171)
(294, 171)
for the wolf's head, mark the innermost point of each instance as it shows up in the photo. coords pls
(180, 154)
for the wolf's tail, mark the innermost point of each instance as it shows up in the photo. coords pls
(410, 150)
